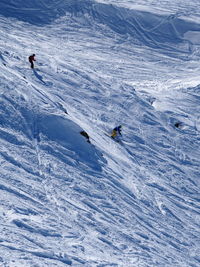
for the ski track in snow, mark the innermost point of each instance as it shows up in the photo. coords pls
(65, 201)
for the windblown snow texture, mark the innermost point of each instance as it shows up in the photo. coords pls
(99, 64)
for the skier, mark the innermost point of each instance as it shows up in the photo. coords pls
(116, 132)
(31, 59)
(178, 124)
(83, 133)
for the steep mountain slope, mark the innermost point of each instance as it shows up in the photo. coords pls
(65, 201)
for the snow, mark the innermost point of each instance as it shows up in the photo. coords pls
(99, 64)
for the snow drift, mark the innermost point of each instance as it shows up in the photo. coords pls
(65, 201)
(148, 28)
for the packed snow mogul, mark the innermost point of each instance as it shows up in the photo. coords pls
(31, 59)
(83, 133)
(116, 131)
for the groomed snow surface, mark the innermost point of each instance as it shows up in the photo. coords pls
(64, 201)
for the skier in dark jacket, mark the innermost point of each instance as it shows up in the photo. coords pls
(83, 133)
(116, 131)
(31, 59)
(178, 125)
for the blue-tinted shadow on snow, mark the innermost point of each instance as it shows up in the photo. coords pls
(65, 134)
(38, 76)
(34, 11)
(31, 229)
(41, 254)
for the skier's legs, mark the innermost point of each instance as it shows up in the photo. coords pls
(114, 134)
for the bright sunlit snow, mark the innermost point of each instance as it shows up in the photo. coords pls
(100, 64)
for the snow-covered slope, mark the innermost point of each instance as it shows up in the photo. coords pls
(65, 201)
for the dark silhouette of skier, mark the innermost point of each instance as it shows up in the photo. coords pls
(83, 133)
(178, 124)
(31, 59)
